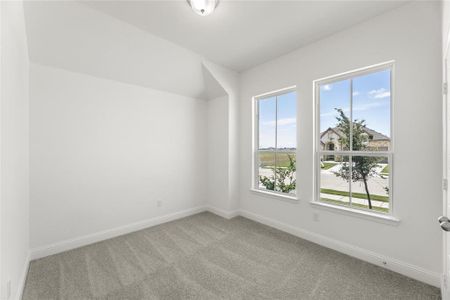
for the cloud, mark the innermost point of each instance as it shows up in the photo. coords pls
(356, 93)
(283, 122)
(383, 95)
(374, 92)
(287, 121)
(327, 87)
(380, 93)
(334, 113)
(362, 107)
(369, 106)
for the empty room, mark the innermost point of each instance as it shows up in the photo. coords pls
(206, 149)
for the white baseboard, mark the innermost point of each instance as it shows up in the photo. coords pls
(409, 270)
(444, 288)
(21, 284)
(222, 213)
(110, 233)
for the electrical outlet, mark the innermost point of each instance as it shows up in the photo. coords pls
(159, 203)
(8, 289)
(316, 217)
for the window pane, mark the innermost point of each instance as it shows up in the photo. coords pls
(286, 171)
(334, 188)
(266, 166)
(370, 180)
(267, 119)
(372, 112)
(334, 114)
(287, 122)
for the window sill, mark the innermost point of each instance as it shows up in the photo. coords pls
(279, 196)
(386, 219)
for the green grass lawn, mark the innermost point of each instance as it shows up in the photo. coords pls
(385, 170)
(336, 202)
(355, 195)
(328, 165)
(267, 159)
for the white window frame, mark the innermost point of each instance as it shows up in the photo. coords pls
(389, 154)
(255, 173)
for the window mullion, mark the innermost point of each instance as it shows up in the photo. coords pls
(256, 146)
(350, 161)
(276, 145)
(350, 158)
(351, 116)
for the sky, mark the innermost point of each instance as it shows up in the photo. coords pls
(286, 120)
(371, 101)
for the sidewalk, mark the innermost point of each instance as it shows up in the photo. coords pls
(345, 199)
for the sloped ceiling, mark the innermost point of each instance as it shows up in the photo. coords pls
(161, 44)
(73, 36)
(213, 89)
(242, 34)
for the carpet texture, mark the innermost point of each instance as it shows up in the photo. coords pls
(208, 257)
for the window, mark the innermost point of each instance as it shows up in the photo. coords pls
(276, 142)
(354, 139)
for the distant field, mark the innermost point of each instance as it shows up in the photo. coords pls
(267, 159)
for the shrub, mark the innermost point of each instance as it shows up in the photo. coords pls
(284, 179)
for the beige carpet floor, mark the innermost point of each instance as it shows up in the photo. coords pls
(208, 257)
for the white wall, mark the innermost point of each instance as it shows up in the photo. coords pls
(104, 152)
(229, 80)
(14, 149)
(411, 36)
(217, 184)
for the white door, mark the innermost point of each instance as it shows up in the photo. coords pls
(444, 221)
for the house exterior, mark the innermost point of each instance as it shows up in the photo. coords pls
(330, 140)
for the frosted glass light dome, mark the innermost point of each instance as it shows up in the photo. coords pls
(203, 7)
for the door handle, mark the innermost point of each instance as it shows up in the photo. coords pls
(442, 219)
(445, 226)
(444, 222)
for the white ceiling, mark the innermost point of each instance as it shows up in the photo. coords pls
(243, 34)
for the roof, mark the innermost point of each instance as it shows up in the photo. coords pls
(376, 136)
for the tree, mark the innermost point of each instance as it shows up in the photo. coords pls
(363, 167)
(284, 178)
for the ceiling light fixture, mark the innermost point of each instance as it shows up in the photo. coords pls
(203, 7)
